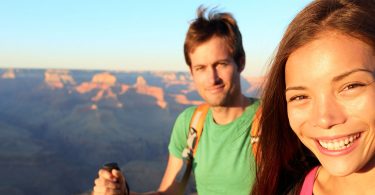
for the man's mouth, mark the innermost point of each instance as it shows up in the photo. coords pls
(216, 89)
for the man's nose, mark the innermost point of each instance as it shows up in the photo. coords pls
(213, 76)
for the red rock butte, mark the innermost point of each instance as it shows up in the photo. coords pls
(141, 87)
(58, 78)
(8, 74)
(104, 78)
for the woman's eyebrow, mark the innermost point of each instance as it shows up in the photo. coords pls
(345, 74)
(295, 88)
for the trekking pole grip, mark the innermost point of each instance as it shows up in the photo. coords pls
(113, 165)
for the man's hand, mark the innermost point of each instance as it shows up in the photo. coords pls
(109, 183)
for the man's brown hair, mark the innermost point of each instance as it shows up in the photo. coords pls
(222, 25)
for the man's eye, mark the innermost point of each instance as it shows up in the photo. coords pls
(222, 64)
(199, 68)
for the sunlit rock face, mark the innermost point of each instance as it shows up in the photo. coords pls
(106, 86)
(57, 79)
(102, 84)
(182, 82)
(124, 88)
(141, 87)
(8, 74)
(102, 81)
(170, 78)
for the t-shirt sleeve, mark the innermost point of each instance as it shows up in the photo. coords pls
(179, 134)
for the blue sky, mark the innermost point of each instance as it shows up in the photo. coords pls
(129, 34)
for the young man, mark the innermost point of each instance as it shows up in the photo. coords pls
(224, 163)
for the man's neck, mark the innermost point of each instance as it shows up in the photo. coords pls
(225, 115)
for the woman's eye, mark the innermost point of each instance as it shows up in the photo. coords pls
(352, 86)
(297, 98)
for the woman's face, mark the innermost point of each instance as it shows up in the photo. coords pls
(330, 93)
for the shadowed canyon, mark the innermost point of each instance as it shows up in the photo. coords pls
(57, 127)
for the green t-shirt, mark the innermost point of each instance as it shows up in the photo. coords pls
(224, 163)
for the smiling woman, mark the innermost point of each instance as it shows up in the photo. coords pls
(327, 98)
(322, 79)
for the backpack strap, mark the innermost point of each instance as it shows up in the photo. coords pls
(194, 134)
(195, 130)
(254, 131)
(197, 123)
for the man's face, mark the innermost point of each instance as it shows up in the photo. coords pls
(215, 74)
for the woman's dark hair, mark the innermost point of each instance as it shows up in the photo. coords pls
(283, 159)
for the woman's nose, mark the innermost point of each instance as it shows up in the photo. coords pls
(327, 112)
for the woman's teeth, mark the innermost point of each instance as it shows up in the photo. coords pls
(339, 144)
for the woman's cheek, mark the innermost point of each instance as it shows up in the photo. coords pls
(296, 119)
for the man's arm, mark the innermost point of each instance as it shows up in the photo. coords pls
(114, 182)
(169, 185)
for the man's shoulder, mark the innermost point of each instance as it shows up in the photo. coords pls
(186, 114)
(252, 108)
(189, 109)
(253, 100)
